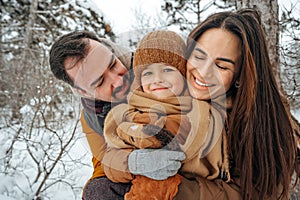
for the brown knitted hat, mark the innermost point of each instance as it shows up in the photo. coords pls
(159, 47)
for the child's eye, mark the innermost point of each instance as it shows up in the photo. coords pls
(146, 73)
(168, 70)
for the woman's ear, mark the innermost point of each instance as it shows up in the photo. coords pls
(237, 84)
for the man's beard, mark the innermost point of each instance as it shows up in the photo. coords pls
(126, 83)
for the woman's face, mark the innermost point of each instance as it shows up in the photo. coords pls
(213, 63)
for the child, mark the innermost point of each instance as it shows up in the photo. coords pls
(156, 113)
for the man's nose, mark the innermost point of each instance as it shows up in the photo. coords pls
(116, 79)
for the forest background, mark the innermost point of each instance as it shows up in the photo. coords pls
(43, 153)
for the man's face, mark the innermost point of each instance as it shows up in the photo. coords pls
(100, 75)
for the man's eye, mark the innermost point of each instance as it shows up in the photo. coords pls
(100, 83)
(113, 65)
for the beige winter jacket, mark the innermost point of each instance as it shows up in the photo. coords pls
(206, 152)
(125, 124)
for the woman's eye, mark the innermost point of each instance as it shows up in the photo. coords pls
(221, 67)
(200, 57)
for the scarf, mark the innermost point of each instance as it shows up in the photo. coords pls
(97, 107)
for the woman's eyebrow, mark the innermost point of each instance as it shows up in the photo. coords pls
(219, 58)
(200, 50)
(100, 77)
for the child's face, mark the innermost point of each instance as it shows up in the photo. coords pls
(162, 80)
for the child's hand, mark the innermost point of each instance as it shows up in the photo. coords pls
(158, 164)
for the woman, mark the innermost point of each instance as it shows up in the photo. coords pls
(228, 52)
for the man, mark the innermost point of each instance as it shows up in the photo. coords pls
(99, 71)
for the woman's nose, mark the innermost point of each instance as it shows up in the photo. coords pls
(207, 70)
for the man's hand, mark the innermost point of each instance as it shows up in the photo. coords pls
(158, 164)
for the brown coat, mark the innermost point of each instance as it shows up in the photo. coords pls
(97, 146)
(204, 189)
(205, 147)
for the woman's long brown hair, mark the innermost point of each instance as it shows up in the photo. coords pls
(260, 134)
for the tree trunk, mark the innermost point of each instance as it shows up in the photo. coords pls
(29, 29)
(1, 56)
(1, 51)
(24, 69)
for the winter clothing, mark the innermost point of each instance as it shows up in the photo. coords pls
(142, 188)
(156, 164)
(96, 186)
(206, 145)
(160, 47)
(95, 113)
(205, 152)
(201, 188)
(115, 191)
(188, 189)
(125, 128)
(142, 109)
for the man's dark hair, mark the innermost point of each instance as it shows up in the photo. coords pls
(72, 45)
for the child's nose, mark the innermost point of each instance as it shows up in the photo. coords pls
(158, 78)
